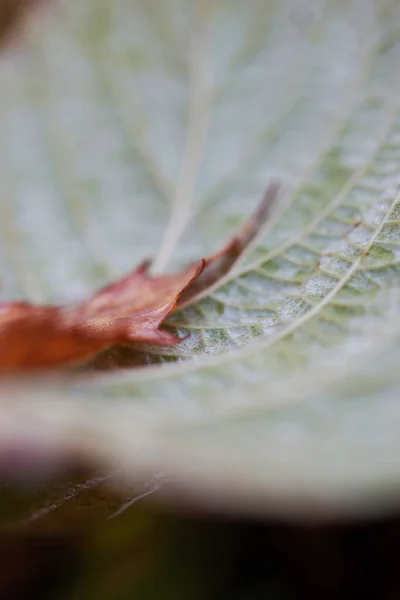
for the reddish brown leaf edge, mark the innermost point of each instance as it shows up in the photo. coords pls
(128, 311)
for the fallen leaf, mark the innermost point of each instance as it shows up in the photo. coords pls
(130, 310)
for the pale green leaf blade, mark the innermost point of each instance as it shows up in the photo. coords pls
(137, 129)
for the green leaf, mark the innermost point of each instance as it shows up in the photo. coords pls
(142, 129)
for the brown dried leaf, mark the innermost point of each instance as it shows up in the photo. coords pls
(130, 310)
(127, 311)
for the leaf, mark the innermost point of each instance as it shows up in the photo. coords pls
(147, 129)
(130, 310)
